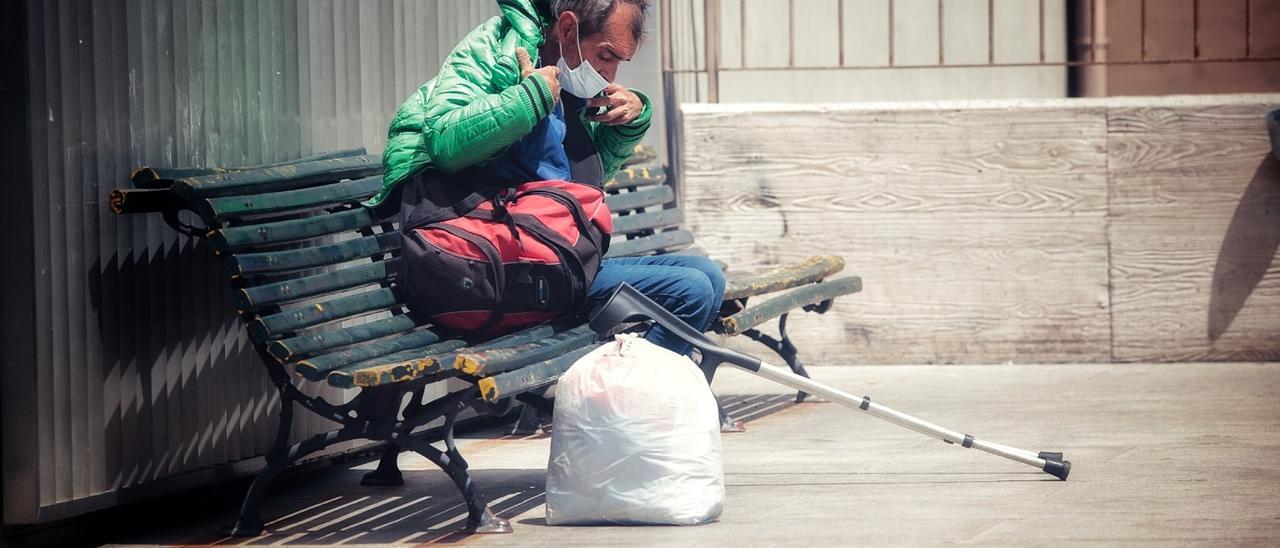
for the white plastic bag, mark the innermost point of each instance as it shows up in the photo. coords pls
(635, 440)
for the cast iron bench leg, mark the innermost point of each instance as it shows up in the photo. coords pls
(388, 471)
(480, 519)
(784, 348)
(249, 521)
(535, 413)
(528, 423)
(384, 405)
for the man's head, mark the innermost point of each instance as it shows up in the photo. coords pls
(609, 31)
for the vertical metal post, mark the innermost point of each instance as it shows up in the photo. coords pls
(791, 33)
(664, 35)
(942, 53)
(670, 98)
(1248, 29)
(991, 32)
(1142, 29)
(1096, 79)
(840, 28)
(1042, 31)
(891, 38)
(1195, 27)
(711, 37)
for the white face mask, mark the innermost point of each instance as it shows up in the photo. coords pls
(583, 81)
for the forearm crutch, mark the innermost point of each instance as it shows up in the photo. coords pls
(628, 305)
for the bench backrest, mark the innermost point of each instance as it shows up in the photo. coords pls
(314, 270)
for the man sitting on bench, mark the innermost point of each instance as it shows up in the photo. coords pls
(491, 119)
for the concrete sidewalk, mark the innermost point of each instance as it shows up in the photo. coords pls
(1181, 453)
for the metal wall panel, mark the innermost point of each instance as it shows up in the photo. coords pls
(143, 377)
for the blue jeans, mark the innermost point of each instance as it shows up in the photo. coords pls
(689, 286)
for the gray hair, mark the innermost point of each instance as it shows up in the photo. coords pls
(593, 13)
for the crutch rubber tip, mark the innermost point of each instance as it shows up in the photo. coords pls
(1057, 468)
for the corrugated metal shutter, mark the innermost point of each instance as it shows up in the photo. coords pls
(143, 376)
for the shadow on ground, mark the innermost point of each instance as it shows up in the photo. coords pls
(335, 509)
(753, 407)
(426, 509)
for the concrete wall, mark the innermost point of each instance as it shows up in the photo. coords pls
(1096, 230)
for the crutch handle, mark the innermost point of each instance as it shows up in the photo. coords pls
(627, 304)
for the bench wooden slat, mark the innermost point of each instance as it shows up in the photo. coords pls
(266, 327)
(497, 360)
(277, 178)
(163, 177)
(403, 366)
(811, 270)
(216, 210)
(638, 176)
(639, 199)
(530, 377)
(406, 366)
(311, 257)
(755, 315)
(251, 299)
(662, 218)
(670, 239)
(318, 367)
(292, 230)
(312, 343)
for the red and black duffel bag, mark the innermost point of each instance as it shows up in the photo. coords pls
(521, 257)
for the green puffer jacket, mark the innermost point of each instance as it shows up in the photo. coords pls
(477, 105)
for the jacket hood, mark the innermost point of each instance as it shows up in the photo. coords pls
(527, 18)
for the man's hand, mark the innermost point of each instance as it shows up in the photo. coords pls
(623, 104)
(550, 74)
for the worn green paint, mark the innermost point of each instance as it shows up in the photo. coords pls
(497, 360)
(635, 177)
(672, 239)
(404, 366)
(163, 177)
(530, 377)
(811, 270)
(276, 179)
(250, 299)
(772, 308)
(247, 236)
(265, 327)
(311, 257)
(288, 349)
(318, 367)
(397, 362)
(647, 221)
(648, 197)
(215, 210)
(642, 154)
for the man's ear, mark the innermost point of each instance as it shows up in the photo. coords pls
(565, 27)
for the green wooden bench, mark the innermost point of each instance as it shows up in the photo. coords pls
(314, 279)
